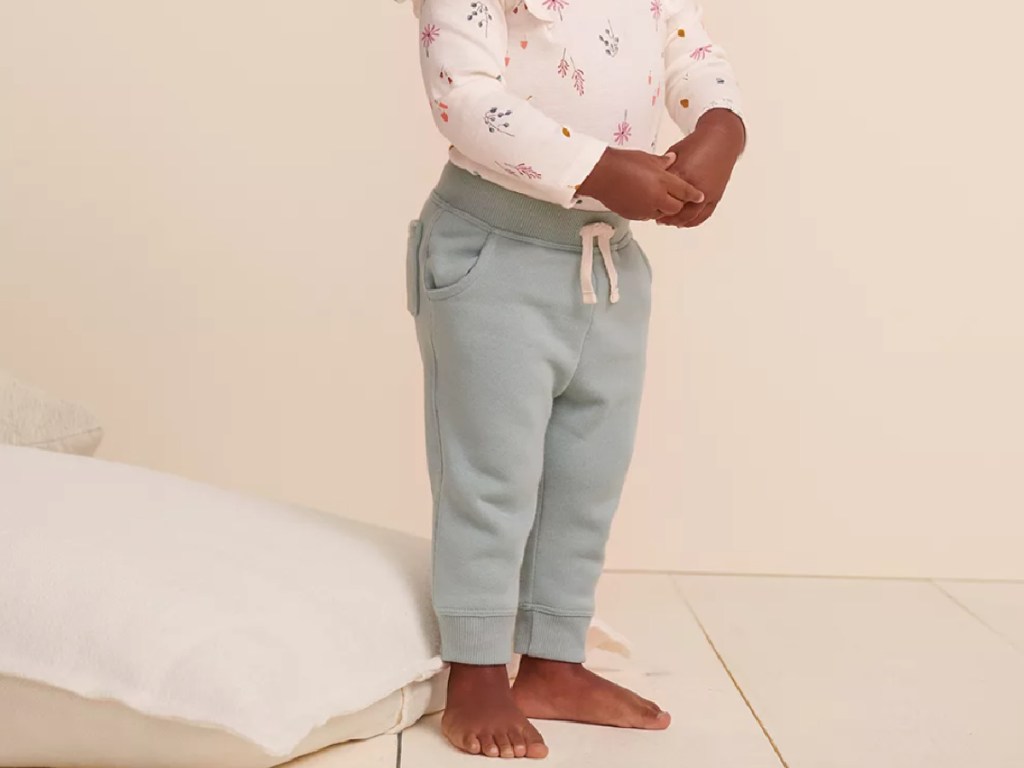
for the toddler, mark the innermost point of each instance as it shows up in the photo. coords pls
(532, 300)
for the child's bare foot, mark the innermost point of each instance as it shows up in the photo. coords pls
(482, 719)
(556, 690)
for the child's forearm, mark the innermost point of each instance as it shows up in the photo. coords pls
(699, 78)
(725, 124)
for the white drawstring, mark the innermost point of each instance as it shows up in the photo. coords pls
(603, 233)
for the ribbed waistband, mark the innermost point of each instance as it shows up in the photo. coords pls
(518, 214)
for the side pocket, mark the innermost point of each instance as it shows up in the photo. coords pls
(455, 254)
(412, 267)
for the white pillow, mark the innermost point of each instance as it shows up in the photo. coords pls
(29, 416)
(201, 605)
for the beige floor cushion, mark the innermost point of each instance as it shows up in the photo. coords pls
(31, 417)
(44, 726)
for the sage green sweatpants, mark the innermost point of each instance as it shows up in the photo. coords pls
(534, 365)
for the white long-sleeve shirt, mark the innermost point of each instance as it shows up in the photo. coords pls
(530, 94)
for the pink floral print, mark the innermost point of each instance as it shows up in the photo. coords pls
(579, 79)
(624, 131)
(556, 5)
(522, 170)
(563, 66)
(429, 36)
(699, 54)
(609, 69)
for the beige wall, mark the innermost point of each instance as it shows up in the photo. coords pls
(202, 209)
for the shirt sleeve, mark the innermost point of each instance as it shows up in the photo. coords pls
(462, 51)
(698, 77)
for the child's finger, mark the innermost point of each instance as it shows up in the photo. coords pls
(685, 191)
(669, 207)
(704, 215)
(670, 159)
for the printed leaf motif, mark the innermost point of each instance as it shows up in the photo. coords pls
(579, 81)
(567, 65)
(522, 170)
(610, 40)
(496, 121)
(481, 14)
(563, 66)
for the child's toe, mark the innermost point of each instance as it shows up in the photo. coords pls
(518, 739)
(489, 746)
(535, 747)
(504, 745)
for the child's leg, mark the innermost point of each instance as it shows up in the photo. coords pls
(494, 353)
(588, 449)
(500, 323)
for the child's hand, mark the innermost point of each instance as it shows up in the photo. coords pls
(706, 158)
(638, 186)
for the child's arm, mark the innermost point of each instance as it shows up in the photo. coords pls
(463, 48)
(699, 77)
(704, 100)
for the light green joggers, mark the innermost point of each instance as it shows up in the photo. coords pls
(532, 322)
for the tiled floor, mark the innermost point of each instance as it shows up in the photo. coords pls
(763, 672)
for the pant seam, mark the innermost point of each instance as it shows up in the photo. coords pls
(579, 354)
(470, 614)
(537, 520)
(440, 449)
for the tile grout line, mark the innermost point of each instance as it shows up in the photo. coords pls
(966, 609)
(823, 576)
(732, 677)
(398, 756)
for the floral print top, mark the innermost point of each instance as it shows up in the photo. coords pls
(530, 93)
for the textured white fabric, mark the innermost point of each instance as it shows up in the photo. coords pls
(187, 602)
(29, 416)
(40, 725)
(531, 93)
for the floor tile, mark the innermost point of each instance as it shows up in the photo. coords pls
(1000, 605)
(673, 664)
(847, 673)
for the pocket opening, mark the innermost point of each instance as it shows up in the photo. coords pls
(412, 267)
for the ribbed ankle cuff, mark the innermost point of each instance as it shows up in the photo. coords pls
(544, 636)
(476, 639)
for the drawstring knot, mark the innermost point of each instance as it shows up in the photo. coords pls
(602, 233)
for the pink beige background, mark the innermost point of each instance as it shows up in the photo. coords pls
(202, 215)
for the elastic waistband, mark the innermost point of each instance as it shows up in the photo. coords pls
(518, 214)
